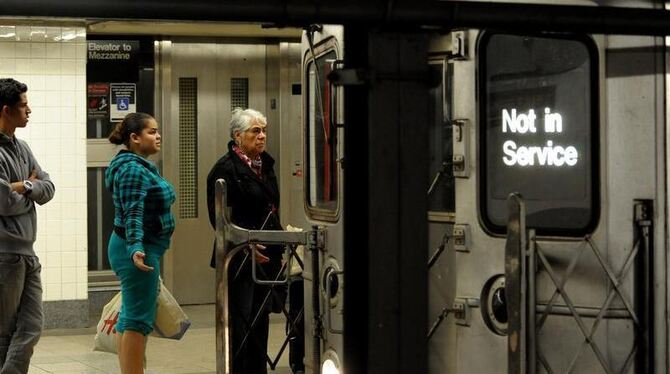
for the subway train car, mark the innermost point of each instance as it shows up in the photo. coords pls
(568, 273)
(482, 185)
(546, 200)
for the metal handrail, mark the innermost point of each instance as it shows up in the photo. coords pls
(263, 281)
(230, 239)
(515, 284)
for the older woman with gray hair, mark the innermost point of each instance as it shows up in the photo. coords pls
(253, 196)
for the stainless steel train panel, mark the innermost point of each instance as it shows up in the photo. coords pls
(291, 166)
(472, 268)
(442, 243)
(441, 292)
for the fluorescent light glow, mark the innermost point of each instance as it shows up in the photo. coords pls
(329, 367)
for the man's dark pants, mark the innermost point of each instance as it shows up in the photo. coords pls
(21, 316)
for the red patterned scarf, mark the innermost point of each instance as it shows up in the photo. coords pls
(256, 164)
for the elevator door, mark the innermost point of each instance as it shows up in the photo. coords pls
(201, 84)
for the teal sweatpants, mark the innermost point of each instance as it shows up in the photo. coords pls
(139, 289)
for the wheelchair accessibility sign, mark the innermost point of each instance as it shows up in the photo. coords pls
(123, 100)
(122, 103)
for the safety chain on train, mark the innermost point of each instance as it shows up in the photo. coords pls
(433, 259)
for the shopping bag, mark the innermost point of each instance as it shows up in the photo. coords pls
(105, 333)
(171, 321)
(295, 269)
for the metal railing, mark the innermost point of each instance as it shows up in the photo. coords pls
(522, 251)
(231, 239)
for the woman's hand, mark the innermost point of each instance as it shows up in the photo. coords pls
(258, 256)
(138, 260)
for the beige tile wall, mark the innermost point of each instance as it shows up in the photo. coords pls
(52, 62)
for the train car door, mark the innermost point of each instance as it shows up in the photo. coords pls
(323, 180)
(564, 121)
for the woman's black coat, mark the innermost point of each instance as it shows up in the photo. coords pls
(251, 199)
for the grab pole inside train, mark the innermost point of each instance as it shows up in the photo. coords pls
(230, 239)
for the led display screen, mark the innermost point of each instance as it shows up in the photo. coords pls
(538, 123)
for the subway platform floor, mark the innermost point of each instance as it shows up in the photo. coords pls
(70, 351)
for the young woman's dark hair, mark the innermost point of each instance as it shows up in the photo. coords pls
(133, 123)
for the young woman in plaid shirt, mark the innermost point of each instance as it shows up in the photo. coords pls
(143, 225)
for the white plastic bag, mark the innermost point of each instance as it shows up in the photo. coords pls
(105, 332)
(171, 321)
(295, 268)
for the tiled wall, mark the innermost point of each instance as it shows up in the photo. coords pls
(52, 62)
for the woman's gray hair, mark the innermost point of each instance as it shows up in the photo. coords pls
(243, 119)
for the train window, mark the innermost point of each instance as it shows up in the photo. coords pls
(441, 189)
(538, 127)
(321, 135)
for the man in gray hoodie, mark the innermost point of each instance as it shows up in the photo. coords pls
(22, 184)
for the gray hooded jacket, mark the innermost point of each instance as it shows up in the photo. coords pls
(18, 220)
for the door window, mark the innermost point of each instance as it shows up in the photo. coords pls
(321, 136)
(441, 188)
(539, 126)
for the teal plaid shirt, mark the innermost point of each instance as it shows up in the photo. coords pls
(142, 200)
